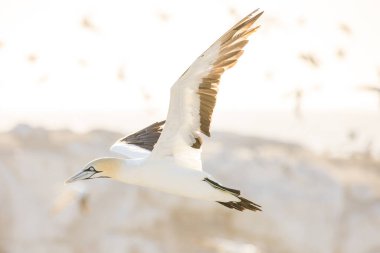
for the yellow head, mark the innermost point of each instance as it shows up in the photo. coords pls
(99, 168)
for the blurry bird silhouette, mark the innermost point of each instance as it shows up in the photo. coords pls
(163, 16)
(32, 58)
(233, 13)
(88, 24)
(340, 53)
(301, 21)
(82, 62)
(352, 135)
(145, 94)
(77, 194)
(373, 89)
(345, 28)
(310, 58)
(120, 73)
(297, 95)
(42, 79)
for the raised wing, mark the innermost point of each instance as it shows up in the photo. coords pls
(370, 88)
(193, 96)
(140, 144)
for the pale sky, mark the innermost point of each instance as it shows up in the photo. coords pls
(70, 57)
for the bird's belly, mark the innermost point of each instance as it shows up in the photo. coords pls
(181, 181)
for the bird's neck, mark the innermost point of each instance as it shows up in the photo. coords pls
(128, 170)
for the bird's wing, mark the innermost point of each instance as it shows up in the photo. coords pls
(370, 88)
(140, 144)
(193, 96)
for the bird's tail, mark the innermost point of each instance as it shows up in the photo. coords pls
(241, 205)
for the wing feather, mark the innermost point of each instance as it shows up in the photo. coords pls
(193, 96)
(139, 144)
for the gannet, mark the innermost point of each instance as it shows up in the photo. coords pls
(166, 155)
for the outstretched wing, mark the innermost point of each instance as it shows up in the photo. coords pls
(370, 88)
(140, 144)
(193, 96)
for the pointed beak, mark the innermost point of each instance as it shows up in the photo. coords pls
(80, 176)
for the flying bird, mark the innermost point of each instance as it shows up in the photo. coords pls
(166, 155)
(309, 58)
(373, 89)
(298, 95)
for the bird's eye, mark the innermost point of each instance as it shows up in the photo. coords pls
(91, 169)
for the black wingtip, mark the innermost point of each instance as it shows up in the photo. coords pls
(243, 204)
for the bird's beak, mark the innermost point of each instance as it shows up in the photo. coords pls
(80, 176)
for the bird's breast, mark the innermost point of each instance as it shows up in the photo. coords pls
(171, 178)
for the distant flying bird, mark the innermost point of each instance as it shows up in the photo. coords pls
(120, 73)
(88, 24)
(32, 58)
(78, 194)
(163, 16)
(309, 58)
(346, 29)
(166, 155)
(340, 53)
(233, 12)
(301, 21)
(298, 95)
(373, 89)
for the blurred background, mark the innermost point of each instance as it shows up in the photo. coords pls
(296, 126)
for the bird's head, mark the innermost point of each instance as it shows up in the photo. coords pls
(100, 168)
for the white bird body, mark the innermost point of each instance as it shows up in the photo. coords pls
(167, 176)
(166, 155)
